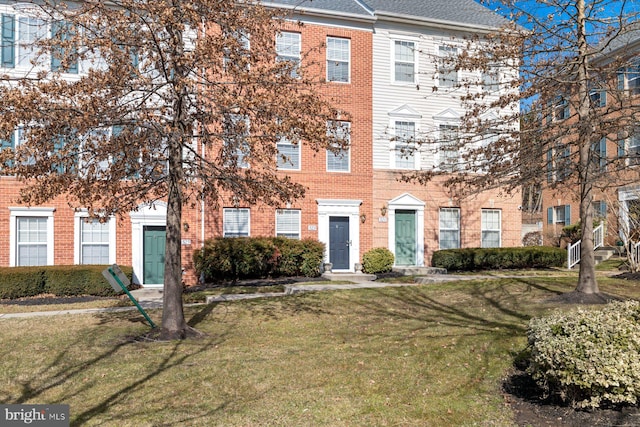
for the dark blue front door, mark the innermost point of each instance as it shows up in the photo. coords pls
(339, 242)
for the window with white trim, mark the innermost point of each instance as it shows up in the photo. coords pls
(338, 160)
(491, 228)
(491, 78)
(31, 236)
(236, 140)
(449, 148)
(288, 48)
(448, 75)
(94, 242)
(405, 145)
(404, 61)
(288, 223)
(235, 222)
(449, 231)
(288, 154)
(338, 59)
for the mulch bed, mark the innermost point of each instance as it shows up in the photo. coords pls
(51, 299)
(531, 409)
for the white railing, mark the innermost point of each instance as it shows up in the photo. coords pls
(634, 252)
(573, 250)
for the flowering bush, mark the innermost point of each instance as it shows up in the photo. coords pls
(588, 357)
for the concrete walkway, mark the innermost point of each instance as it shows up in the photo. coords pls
(150, 298)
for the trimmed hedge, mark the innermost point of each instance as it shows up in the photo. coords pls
(499, 258)
(589, 358)
(61, 280)
(377, 260)
(257, 257)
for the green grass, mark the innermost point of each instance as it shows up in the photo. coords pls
(429, 355)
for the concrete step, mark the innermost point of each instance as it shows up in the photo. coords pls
(419, 271)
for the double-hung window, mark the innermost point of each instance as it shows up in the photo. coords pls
(288, 223)
(446, 68)
(236, 140)
(491, 78)
(20, 35)
(94, 242)
(31, 236)
(404, 61)
(449, 228)
(235, 222)
(338, 158)
(405, 145)
(491, 228)
(338, 59)
(288, 154)
(559, 215)
(449, 148)
(288, 48)
(599, 155)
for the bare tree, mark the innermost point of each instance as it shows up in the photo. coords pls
(562, 62)
(136, 101)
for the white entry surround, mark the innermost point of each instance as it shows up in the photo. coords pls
(337, 207)
(624, 195)
(146, 215)
(409, 203)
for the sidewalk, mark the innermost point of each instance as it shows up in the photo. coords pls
(152, 298)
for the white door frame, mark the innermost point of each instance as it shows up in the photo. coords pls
(337, 207)
(145, 215)
(407, 202)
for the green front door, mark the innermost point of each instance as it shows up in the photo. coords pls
(405, 238)
(153, 241)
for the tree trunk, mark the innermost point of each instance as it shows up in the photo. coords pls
(586, 277)
(173, 322)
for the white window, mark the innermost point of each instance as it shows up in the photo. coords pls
(446, 68)
(449, 149)
(491, 78)
(405, 145)
(288, 154)
(235, 222)
(559, 215)
(30, 31)
(449, 228)
(288, 48)
(236, 140)
(338, 160)
(404, 68)
(338, 59)
(288, 223)
(31, 236)
(491, 228)
(94, 240)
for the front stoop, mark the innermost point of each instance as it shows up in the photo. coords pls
(419, 271)
(603, 254)
(351, 277)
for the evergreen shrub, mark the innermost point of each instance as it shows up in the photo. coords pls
(257, 257)
(378, 260)
(472, 259)
(59, 280)
(588, 358)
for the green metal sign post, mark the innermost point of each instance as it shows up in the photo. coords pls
(119, 281)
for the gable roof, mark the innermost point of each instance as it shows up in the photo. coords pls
(452, 12)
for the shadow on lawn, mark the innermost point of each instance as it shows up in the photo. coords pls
(60, 372)
(482, 306)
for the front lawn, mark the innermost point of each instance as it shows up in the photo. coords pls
(414, 356)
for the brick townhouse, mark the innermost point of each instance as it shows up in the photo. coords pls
(616, 196)
(371, 56)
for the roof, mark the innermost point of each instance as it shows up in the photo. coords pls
(624, 41)
(456, 12)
